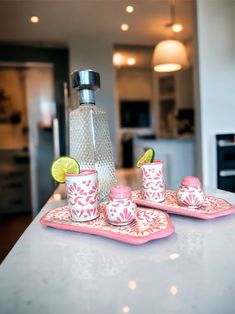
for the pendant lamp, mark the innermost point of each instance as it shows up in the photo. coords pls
(170, 55)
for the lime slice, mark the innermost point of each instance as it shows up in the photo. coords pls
(147, 157)
(63, 165)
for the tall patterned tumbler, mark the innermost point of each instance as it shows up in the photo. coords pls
(153, 184)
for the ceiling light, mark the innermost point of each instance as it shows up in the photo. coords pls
(129, 9)
(131, 61)
(169, 56)
(124, 27)
(117, 59)
(34, 19)
(176, 28)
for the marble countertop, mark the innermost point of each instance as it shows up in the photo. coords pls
(56, 271)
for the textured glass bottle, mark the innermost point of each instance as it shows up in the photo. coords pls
(89, 138)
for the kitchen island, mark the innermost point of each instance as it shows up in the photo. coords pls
(56, 271)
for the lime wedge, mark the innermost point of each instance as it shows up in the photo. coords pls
(147, 157)
(63, 165)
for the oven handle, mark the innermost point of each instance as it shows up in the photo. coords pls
(222, 143)
(227, 173)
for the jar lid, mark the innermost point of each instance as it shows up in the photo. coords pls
(120, 191)
(191, 181)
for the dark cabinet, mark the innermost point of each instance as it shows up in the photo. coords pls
(14, 181)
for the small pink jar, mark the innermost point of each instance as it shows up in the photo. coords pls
(120, 210)
(190, 192)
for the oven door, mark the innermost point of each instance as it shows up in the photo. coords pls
(226, 164)
(226, 157)
(226, 180)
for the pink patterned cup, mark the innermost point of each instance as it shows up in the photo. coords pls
(153, 185)
(83, 195)
(120, 210)
(190, 192)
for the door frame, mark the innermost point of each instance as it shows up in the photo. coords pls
(59, 58)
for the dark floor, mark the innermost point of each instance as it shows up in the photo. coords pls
(11, 228)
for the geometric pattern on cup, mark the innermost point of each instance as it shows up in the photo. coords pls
(153, 185)
(83, 195)
(190, 196)
(120, 211)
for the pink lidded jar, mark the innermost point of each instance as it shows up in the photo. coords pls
(190, 192)
(120, 210)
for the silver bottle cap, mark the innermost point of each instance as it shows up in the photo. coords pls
(85, 79)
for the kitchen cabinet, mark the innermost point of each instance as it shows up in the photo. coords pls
(173, 93)
(14, 181)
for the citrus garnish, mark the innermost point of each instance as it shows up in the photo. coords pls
(147, 157)
(63, 165)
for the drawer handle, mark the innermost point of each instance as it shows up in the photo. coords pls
(227, 173)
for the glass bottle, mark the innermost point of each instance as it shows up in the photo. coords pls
(89, 137)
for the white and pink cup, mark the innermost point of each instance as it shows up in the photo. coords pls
(83, 195)
(153, 183)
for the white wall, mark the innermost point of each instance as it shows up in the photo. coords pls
(134, 84)
(97, 55)
(216, 78)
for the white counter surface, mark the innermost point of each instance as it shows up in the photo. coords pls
(55, 271)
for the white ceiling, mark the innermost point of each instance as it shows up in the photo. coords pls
(65, 20)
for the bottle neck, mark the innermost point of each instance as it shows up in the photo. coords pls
(87, 96)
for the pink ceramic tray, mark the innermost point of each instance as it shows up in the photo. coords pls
(212, 207)
(150, 224)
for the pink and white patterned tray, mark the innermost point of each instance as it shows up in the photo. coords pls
(212, 207)
(150, 224)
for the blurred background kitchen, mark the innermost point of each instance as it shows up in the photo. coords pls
(187, 115)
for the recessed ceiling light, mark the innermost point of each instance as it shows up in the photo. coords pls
(124, 27)
(34, 19)
(131, 61)
(177, 28)
(117, 59)
(129, 9)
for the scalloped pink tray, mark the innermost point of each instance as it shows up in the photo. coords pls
(212, 207)
(150, 224)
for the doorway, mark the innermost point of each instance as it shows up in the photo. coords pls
(27, 108)
(135, 109)
(55, 62)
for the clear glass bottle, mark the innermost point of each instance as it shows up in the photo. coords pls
(89, 137)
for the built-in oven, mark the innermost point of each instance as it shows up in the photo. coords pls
(226, 162)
